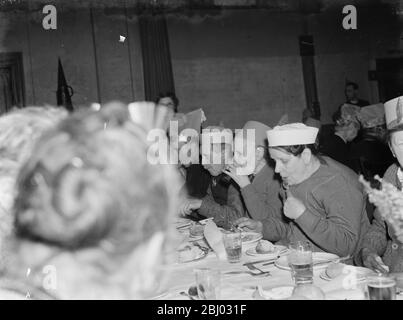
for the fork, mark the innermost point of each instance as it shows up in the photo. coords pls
(252, 267)
(253, 274)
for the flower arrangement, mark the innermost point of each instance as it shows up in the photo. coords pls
(389, 201)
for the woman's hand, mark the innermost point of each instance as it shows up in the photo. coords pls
(373, 261)
(249, 224)
(241, 181)
(293, 207)
(189, 205)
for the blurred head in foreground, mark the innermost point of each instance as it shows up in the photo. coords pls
(90, 204)
(19, 130)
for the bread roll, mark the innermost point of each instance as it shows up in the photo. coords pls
(265, 246)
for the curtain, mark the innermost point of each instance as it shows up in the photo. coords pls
(6, 91)
(307, 52)
(157, 66)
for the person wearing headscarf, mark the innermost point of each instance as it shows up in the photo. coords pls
(321, 205)
(370, 154)
(382, 248)
(337, 145)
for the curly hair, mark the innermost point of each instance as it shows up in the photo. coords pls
(88, 183)
(19, 130)
(296, 150)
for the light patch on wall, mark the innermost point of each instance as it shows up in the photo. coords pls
(198, 17)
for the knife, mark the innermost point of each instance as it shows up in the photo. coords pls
(329, 261)
(260, 261)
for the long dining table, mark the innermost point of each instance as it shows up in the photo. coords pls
(243, 286)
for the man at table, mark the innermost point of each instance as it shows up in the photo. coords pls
(321, 204)
(222, 200)
(255, 193)
(258, 183)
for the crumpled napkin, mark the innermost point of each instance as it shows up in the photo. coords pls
(214, 238)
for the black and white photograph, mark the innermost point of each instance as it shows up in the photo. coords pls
(188, 152)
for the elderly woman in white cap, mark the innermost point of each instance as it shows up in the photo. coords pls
(382, 248)
(323, 206)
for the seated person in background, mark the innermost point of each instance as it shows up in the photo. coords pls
(259, 187)
(168, 100)
(222, 201)
(337, 146)
(351, 93)
(322, 206)
(382, 249)
(197, 180)
(93, 210)
(370, 154)
(19, 130)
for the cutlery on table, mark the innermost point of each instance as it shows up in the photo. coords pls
(331, 260)
(259, 261)
(252, 267)
(253, 274)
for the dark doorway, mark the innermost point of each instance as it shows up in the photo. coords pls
(390, 78)
(12, 93)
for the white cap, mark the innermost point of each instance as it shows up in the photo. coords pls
(291, 135)
(394, 112)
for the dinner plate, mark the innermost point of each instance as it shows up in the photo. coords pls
(276, 293)
(198, 238)
(278, 250)
(361, 273)
(196, 230)
(250, 237)
(159, 295)
(282, 262)
(203, 253)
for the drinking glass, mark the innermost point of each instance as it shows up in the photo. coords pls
(233, 246)
(208, 283)
(300, 262)
(381, 288)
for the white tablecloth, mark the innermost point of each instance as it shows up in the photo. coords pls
(180, 277)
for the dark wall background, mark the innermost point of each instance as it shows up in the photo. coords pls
(237, 63)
